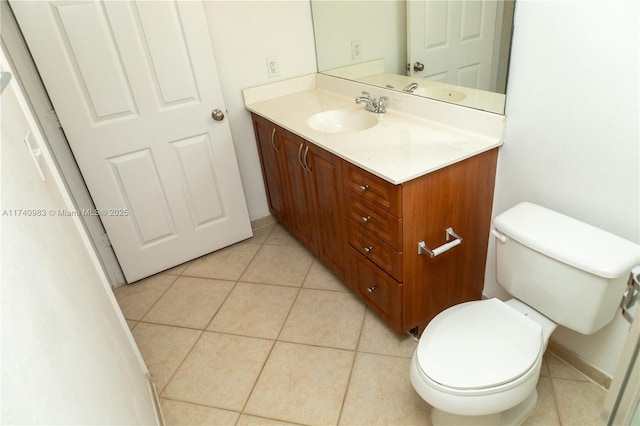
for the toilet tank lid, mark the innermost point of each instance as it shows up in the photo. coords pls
(568, 240)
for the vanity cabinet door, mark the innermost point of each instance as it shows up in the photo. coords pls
(296, 177)
(326, 190)
(271, 157)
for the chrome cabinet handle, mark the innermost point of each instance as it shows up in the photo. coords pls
(371, 289)
(273, 140)
(366, 218)
(300, 155)
(304, 159)
(364, 187)
(368, 249)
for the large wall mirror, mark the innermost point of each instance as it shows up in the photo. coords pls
(451, 50)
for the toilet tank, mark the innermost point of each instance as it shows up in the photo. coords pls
(571, 272)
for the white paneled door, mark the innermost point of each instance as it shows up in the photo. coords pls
(453, 40)
(134, 84)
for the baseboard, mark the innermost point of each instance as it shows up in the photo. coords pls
(263, 221)
(571, 358)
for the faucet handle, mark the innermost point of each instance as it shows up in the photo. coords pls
(364, 92)
(381, 108)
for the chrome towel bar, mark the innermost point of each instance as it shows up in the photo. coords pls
(423, 249)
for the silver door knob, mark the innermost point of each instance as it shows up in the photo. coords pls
(418, 67)
(217, 115)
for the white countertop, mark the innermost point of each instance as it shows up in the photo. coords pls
(399, 148)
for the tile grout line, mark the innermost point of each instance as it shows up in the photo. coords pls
(236, 281)
(160, 394)
(158, 299)
(189, 352)
(555, 399)
(355, 355)
(204, 330)
(244, 406)
(577, 371)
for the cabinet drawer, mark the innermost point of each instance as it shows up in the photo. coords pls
(378, 289)
(373, 189)
(376, 250)
(385, 226)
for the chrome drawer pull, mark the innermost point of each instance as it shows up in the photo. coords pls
(364, 187)
(368, 249)
(370, 289)
(423, 249)
(366, 218)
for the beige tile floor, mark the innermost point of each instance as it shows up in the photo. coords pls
(262, 333)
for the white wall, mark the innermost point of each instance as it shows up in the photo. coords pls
(244, 34)
(68, 356)
(572, 137)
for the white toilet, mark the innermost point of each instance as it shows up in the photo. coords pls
(479, 362)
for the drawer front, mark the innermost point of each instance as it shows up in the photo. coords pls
(383, 255)
(377, 191)
(385, 226)
(378, 289)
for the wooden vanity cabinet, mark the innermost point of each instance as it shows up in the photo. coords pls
(386, 222)
(367, 229)
(306, 181)
(270, 158)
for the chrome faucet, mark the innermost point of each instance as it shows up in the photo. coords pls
(411, 87)
(371, 104)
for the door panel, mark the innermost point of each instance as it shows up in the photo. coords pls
(168, 53)
(134, 84)
(92, 52)
(196, 167)
(139, 183)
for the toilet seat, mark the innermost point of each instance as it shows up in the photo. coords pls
(479, 347)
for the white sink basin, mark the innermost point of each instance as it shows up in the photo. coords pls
(342, 120)
(441, 93)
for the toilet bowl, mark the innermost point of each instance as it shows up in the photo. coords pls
(479, 362)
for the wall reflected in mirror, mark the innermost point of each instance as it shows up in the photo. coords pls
(456, 51)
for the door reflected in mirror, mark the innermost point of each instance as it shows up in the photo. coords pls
(456, 51)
